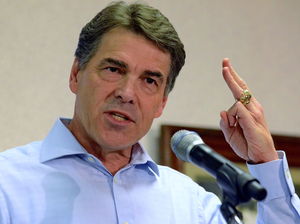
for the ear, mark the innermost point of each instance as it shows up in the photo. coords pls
(161, 107)
(73, 81)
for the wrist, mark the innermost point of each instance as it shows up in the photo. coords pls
(265, 158)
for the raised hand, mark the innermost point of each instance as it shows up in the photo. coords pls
(244, 125)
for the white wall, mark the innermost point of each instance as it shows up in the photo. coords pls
(38, 39)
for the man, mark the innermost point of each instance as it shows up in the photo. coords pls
(92, 169)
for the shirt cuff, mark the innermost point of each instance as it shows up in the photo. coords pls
(274, 176)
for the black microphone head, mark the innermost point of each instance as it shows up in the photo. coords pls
(183, 141)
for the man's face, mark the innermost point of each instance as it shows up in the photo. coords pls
(120, 91)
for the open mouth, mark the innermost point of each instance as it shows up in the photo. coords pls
(119, 117)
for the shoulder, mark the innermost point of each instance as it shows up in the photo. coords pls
(17, 164)
(21, 153)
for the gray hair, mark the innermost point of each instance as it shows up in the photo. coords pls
(139, 18)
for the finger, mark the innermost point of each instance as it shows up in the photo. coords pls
(228, 129)
(235, 76)
(230, 118)
(236, 84)
(225, 127)
(233, 85)
(240, 115)
(224, 119)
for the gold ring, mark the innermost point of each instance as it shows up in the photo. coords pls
(246, 97)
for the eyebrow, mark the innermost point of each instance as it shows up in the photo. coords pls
(123, 64)
(115, 62)
(155, 74)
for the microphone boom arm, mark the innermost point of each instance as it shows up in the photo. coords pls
(237, 186)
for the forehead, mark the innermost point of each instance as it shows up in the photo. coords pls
(127, 45)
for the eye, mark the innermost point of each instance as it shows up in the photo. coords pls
(112, 69)
(150, 81)
(111, 74)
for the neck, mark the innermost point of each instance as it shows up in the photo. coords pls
(113, 161)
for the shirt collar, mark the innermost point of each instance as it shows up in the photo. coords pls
(61, 142)
(140, 156)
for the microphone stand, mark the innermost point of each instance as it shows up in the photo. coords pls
(237, 187)
(231, 215)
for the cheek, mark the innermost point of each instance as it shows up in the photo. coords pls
(95, 99)
(85, 98)
(161, 106)
(152, 109)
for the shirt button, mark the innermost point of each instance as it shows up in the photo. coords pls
(116, 181)
(288, 174)
(91, 159)
(125, 222)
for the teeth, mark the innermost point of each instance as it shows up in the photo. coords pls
(119, 117)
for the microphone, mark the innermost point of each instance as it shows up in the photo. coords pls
(235, 182)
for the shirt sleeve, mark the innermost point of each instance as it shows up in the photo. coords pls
(282, 204)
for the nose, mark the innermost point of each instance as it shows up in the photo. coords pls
(126, 91)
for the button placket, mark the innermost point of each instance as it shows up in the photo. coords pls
(122, 200)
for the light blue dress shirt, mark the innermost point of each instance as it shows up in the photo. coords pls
(56, 181)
